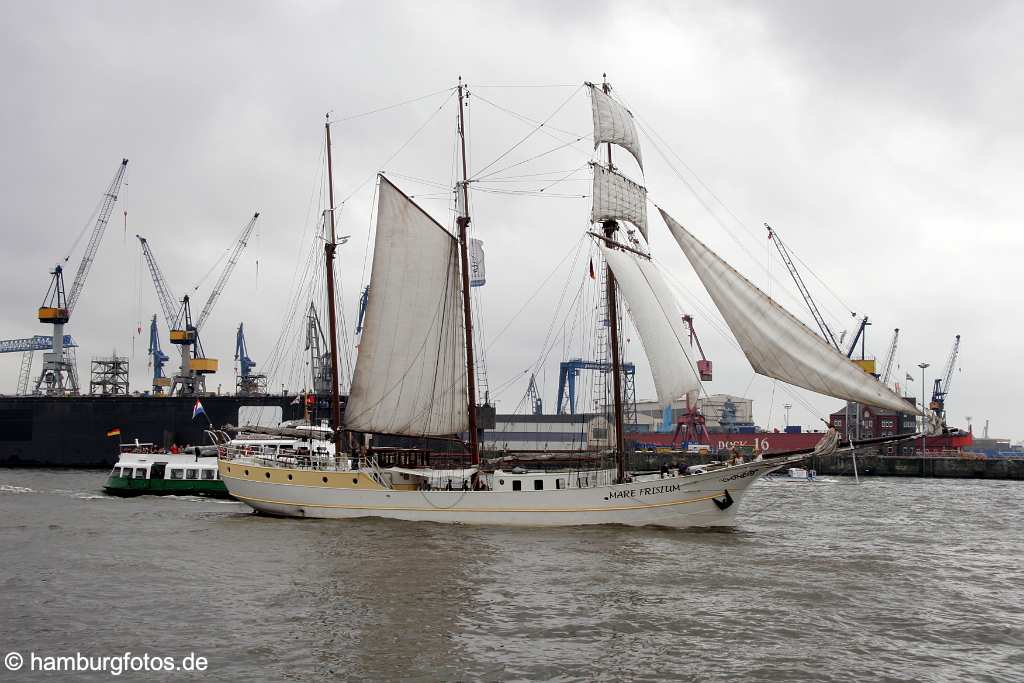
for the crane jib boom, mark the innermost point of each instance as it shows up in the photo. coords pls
(804, 292)
(109, 199)
(890, 358)
(168, 302)
(223, 280)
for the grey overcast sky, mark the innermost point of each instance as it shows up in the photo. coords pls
(881, 139)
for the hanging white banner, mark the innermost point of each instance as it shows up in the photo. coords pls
(477, 272)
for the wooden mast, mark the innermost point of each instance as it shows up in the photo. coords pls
(329, 246)
(463, 223)
(610, 227)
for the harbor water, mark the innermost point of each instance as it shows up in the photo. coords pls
(894, 579)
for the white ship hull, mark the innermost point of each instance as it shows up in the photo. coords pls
(702, 500)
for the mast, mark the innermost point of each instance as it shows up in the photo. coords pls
(329, 246)
(463, 223)
(610, 227)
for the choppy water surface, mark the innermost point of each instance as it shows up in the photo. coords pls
(895, 579)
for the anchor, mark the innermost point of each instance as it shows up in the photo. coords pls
(723, 504)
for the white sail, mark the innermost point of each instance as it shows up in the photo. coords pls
(410, 376)
(775, 342)
(613, 123)
(617, 198)
(658, 320)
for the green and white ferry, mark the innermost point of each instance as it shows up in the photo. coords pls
(143, 469)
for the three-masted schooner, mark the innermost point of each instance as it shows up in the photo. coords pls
(414, 373)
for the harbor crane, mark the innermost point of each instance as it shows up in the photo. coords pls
(319, 356)
(890, 357)
(866, 364)
(185, 379)
(222, 281)
(826, 332)
(533, 397)
(59, 376)
(247, 383)
(569, 370)
(942, 384)
(157, 358)
(184, 332)
(27, 348)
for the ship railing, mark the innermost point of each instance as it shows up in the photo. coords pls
(377, 474)
(272, 457)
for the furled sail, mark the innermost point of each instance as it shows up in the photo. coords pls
(658, 320)
(775, 342)
(410, 375)
(613, 123)
(618, 198)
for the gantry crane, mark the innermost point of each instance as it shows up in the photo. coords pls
(59, 375)
(569, 370)
(27, 348)
(157, 358)
(942, 384)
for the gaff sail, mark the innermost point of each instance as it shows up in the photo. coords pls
(410, 375)
(775, 342)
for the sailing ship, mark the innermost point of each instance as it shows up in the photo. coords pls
(414, 374)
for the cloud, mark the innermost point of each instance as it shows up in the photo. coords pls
(881, 140)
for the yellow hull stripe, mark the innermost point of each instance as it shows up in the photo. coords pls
(452, 509)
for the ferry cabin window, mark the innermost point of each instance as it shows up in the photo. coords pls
(192, 474)
(538, 484)
(517, 485)
(559, 483)
(124, 472)
(177, 474)
(140, 472)
(208, 474)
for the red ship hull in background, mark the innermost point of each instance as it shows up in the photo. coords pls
(774, 442)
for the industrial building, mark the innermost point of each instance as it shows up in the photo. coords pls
(722, 412)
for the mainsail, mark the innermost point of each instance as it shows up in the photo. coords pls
(617, 198)
(410, 376)
(775, 342)
(613, 123)
(658, 320)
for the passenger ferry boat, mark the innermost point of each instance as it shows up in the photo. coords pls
(143, 469)
(415, 371)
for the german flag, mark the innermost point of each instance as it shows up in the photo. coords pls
(114, 432)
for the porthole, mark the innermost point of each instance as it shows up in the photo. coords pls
(355, 480)
(325, 480)
(289, 477)
(501, 482)
(229, 468)
(268, 475)
(247, 473)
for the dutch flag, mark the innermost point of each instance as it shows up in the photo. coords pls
(197, 409)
